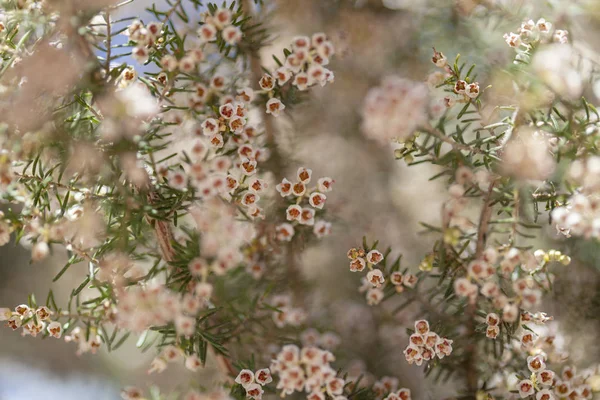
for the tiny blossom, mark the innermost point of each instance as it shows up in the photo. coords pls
(232, 35)
(374, 257)
(293, 212)
(492, 331)
(357, 265)
(545, 377)
(284, 188)
(536, 363)
(375, 277)
(263, 376)
(245, 377)
(55, 329)
(192, 362)
(374, 296)
(275, 107)
(525, 388)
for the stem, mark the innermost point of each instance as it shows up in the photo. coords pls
(455, 145)
(472, 375)
(256, 70)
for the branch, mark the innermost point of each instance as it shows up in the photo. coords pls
(455, 145)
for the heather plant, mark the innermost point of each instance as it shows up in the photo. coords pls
(147, 151)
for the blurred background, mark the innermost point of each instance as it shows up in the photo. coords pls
(374, 195)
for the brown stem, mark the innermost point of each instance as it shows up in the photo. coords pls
(472, 375)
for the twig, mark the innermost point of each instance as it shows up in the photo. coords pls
(472, 375)
(455, 145)
(108, 42)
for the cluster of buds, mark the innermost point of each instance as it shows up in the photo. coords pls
(395, 109)
(307, 370)
(286, 314)
(145, 37)
(484, 275)
(327, 340)
(463, 90)
(140, 307)
(425, 345)
(303, 67)
(252, 382)
(492, 321)
(304, 204)
(173, 354)
(579, 217)
(222, 23)
(88, 341)
(32, 320)
(375, 281)
(389, 385)
(531, 33)
(545, 384)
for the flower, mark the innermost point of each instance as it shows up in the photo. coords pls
(254, 391)
(192, 362)
(536, 363)
(492, 331)
(525, 388)
(263, 376)
(375, 277)
(55, 329)
(357, 265)
(275, 107)
(245, 377)
(374, 257)
(232, 35)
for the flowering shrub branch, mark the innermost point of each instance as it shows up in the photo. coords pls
(152, 161)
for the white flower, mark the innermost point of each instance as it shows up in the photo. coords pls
(275, 107)
(544, 394)
(375, 277)
(525, 388)
(263, 376)
(232, 35)
(284, 188)
(536, 363)
(40, 251)
(374, 257)
(245, 377)
(374, 296)
(317, 200)
(138, 101)
(207, 33)
(55, 329)
(192, 362)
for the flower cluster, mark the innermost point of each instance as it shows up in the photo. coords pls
(304, 204)
(395, 109)
(308, 370)
(87, 341)
(532, 33)
(252, 382)
(485, 276)
(545, 384)
(145, 38)
(220, 23)
(303, 67)
(425, 345)
(580, 216)
(285, 313)
(34, 321)
(375, 281)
